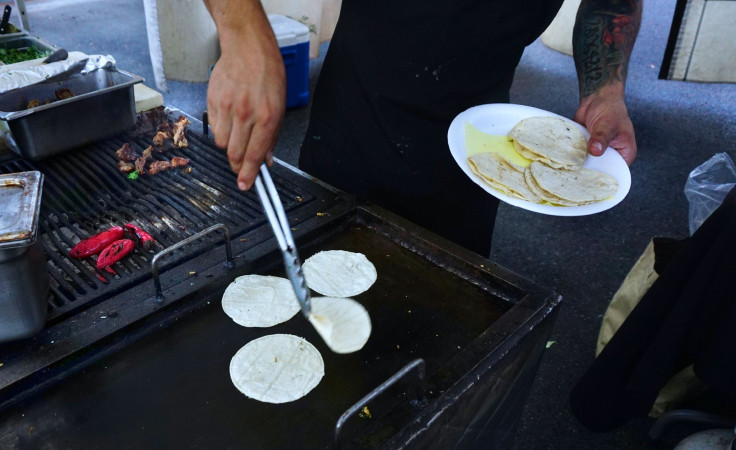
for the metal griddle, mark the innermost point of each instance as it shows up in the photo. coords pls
(137, 368)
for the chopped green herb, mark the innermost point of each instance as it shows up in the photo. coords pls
(11, 29)
(133, 175)
(14, 55)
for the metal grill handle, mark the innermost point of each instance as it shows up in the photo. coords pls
(187, 241)
(419, 401)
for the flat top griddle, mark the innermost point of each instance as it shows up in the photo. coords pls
(172, 389)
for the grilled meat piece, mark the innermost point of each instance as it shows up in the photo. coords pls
(126, 153)
(158, 166)
(125, 166)
(180, 127)
(165, 128)
(178, 161)
(140, 163)
(163, 138)
(149, 121)
(160, 138)
(63, 93)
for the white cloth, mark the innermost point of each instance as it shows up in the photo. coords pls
(558, 36)
(182, 40)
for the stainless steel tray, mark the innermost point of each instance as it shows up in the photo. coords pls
(103, 105)
(4, 37)
(23, 40)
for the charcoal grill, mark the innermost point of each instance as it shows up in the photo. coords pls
(133, 359)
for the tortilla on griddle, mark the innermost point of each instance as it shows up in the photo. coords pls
(343, 323)
(578, 187)
(339, 273)
(555, 141)
(277, 368)
(501, 175)
(260, 301)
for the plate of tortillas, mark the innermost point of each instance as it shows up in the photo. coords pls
(536, 160)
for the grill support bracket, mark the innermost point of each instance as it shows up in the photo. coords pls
(229, 263)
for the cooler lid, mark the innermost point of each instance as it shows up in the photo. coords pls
(20, 201)
(288, 31)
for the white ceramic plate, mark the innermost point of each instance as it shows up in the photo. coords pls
(499, 119)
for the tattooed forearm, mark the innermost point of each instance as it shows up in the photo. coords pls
(604, 34)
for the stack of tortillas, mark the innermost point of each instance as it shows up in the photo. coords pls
(556, 149)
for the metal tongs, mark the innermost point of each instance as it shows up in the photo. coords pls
(277, 218)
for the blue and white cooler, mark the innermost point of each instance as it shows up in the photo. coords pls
(293, 39)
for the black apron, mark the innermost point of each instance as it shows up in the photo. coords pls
(395, 75)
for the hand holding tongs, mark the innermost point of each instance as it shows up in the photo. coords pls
(277, 218)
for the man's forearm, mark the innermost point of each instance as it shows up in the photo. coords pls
(236, 19)
(604, 34)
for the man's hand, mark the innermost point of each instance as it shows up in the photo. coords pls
(603, 37)
(246, 97)
(607, 120)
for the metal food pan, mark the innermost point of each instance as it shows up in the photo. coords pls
(23, 40)
(4, 37)
(103, 105)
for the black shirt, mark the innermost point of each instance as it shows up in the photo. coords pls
(395, 75)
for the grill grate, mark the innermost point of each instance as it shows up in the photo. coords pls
(84, 193)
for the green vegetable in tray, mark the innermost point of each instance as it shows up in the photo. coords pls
(11, 29)
(14, 55)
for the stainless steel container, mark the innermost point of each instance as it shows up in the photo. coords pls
(24, 280)
(23, 40)
(103, 104)
(7, 36)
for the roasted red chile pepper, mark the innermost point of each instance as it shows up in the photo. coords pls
(145, 239)
(100, 277)
(96, 243)
(114, 253)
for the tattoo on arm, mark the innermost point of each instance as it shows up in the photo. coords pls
(604, 34)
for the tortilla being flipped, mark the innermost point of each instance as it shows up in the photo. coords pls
(555, 141)
(502, 175)
(343, 323)
(572, 187)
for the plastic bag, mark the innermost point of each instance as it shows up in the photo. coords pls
(707, 186)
